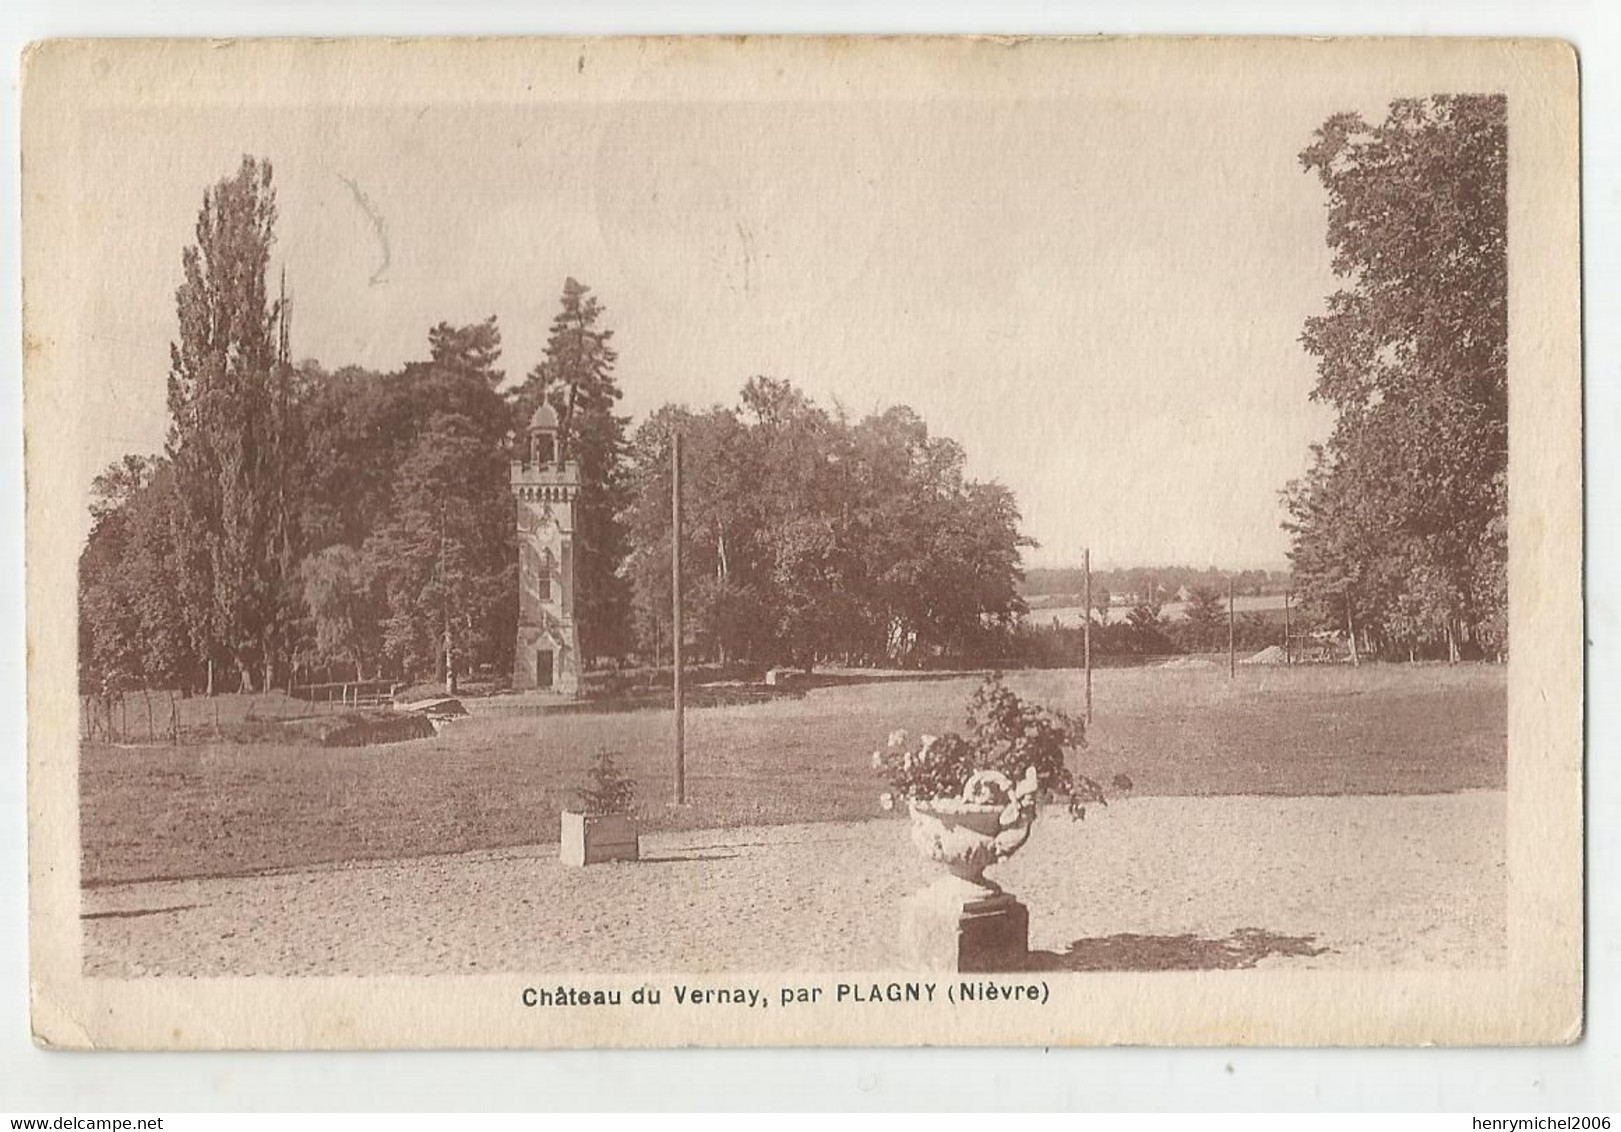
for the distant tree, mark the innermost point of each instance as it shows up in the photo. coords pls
(444, 560)
(1337, 535)
(358, 425)
(337, 589)
(1100, 602)
(725, 605)
(131, 629)
(805, 566)
(577, 378)
(115, 488)
(1144, 615)
(809, 536)
(1206, 616)
(109, 622)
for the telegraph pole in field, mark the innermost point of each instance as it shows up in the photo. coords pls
(1086, 561)
(1232, 652)
(1288, 633)
(675, 621)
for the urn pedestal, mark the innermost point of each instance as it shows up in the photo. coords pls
(953, 925)
(963, 922)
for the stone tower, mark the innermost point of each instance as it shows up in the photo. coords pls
(548, 653)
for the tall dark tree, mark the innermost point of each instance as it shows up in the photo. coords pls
(471, 350)
(227, 409)
(444, 559)
(1402, 518)
(577, 378)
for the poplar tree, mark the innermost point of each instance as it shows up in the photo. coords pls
(227, 410)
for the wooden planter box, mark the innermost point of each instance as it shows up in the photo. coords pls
(590, 840)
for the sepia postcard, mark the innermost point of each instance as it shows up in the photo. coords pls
(803, 541)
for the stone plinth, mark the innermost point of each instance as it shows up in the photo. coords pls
(957, 925)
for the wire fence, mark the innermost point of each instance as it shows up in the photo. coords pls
(127, 717)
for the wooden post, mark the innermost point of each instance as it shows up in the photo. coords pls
(1288, 635)
(1232, 651)
(1086, 560)
(675, 622)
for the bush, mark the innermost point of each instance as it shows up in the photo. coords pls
(383, 727)
(609, 791)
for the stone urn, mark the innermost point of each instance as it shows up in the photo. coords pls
(963, 922)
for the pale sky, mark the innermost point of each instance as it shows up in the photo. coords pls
(1102, 302)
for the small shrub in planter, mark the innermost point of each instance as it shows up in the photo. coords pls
(602, 827)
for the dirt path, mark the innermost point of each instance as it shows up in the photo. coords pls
(1146, 884)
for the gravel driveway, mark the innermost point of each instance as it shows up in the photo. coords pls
(1144, 884)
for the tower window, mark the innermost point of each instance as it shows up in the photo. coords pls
(545, 568)
(545, 445)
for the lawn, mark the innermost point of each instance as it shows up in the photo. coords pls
(213, 809)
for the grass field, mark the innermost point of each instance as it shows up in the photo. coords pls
(492, 781)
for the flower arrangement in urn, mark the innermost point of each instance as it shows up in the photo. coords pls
(972, 799)
(602, 826)
(973, 796)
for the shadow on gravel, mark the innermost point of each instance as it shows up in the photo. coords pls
(1130, 952)
(136, 912)
(672, 858)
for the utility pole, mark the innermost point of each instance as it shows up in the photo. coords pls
(1288, 634)
(1086, 560)
(448, 640)
(1232, 651)
(675, 621)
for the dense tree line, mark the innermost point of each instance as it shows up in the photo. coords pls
(401, 550)
(811, 536)
(1400, 525)
(301, 521)
(305, 524)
